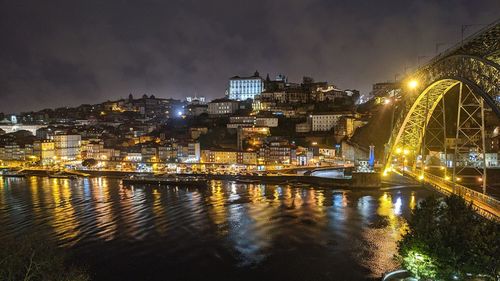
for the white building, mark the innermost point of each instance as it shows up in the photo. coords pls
(67, 147)
(190, 153)
(491, 159)
(221, 107)
(249, 121)
(242, 88)
(323, 122)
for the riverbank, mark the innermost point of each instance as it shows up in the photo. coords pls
(361, 180)
(274, 179)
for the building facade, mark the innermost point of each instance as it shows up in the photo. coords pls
(242, 88)
(67, 147)
(44, 151)
(222, 107)
(323, 122)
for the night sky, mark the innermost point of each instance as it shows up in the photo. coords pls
(58, 53)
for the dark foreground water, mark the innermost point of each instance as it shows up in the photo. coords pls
(227, 231)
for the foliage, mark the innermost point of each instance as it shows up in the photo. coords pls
(420, 264)
(89, 163)
(446, 239)
(33, 258)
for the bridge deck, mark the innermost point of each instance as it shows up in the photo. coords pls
(486, 205)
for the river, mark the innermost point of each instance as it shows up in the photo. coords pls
(227, 231)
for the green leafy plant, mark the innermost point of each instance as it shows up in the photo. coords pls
(446, 239)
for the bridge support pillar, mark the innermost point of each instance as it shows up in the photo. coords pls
(365, 179)
(470, 145)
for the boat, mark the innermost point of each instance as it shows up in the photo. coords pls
(247, 181)
(172, 181)
(13, 175)
(62, 176)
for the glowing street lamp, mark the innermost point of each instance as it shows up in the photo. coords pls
(413, 84)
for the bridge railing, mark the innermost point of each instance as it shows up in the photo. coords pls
(486, 203)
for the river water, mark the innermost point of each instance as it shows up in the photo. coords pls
(228, 231)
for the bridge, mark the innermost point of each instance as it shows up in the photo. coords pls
(20, 127)
(471, 72)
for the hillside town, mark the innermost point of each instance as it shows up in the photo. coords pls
(261, 124)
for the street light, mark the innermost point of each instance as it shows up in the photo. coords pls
(412, 84)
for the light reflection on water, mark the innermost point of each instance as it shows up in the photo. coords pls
(246, 230)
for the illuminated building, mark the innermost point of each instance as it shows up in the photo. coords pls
(304, 158)
(189, 152)
(250, 121)
(168, 153)
(276, 152)
(67, 147)
(149, 154)
(196, 100)
(219, 156)
(16, 152)
(325, 121)
(44, 151)
(221, 107)
(133, 156)
(242, 88)
(247, 157)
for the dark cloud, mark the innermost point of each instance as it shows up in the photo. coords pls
(55, 53)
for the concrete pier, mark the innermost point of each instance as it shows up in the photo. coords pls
(365, 179)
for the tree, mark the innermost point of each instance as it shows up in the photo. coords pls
(446, 239)
(34, 257)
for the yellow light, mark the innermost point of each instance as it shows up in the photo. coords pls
(459, 179)
(406, 152)
(442, 167)
(387, 101)
(448, 178)
(386, 172)
(413, 84)
(480, 179)
(398, 150)
(426, 168)
(421, 177)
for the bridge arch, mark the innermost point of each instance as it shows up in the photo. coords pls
(436, 79)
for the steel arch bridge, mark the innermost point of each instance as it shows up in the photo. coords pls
(473, 64)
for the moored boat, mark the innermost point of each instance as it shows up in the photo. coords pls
(13, 175)
(169, 181)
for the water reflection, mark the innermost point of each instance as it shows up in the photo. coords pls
(63, 213)
(262, 228)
